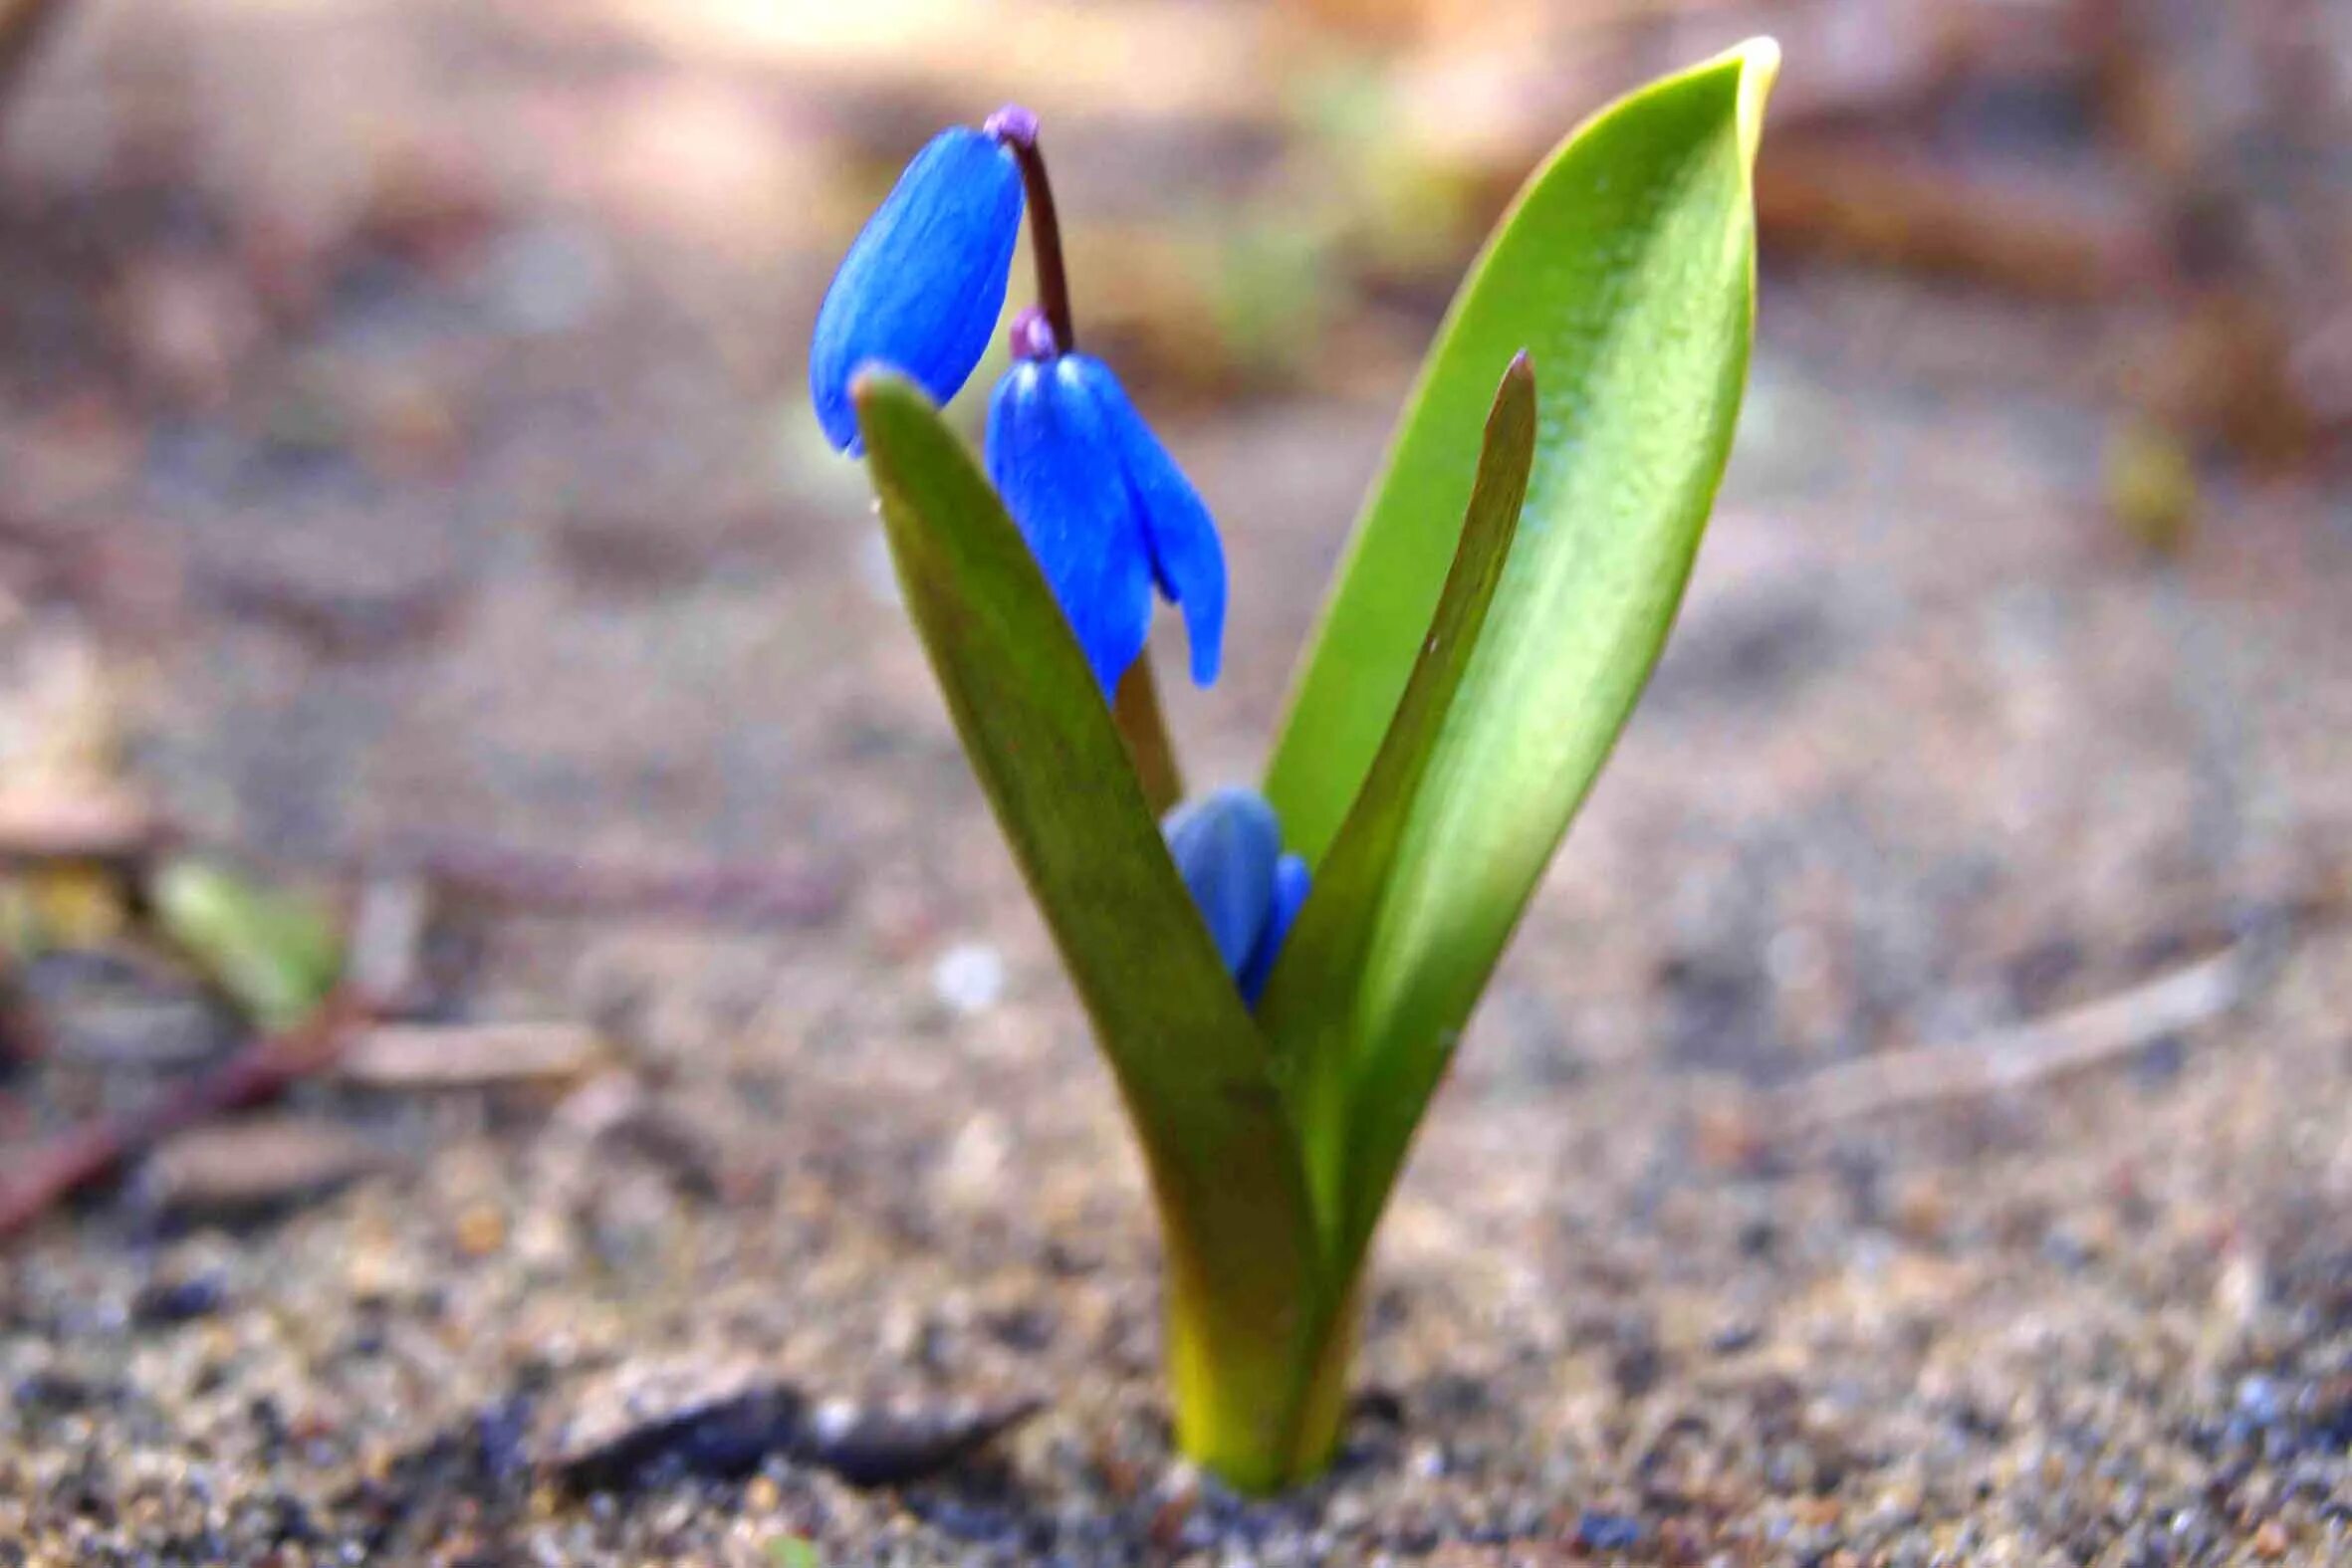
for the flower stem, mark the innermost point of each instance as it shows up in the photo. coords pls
(1016, 129)
(1137, 709)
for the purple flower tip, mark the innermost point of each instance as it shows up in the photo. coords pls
(1032, 336)
(1013, 125)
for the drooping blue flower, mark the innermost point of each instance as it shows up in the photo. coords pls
(1227, 846)
(924, 282)
(1103, 506)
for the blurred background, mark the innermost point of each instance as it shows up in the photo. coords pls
(407, 490)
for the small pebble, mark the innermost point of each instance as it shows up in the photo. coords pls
(481, 1230)
(165, 1303)
(969, 977)
(1607, 1532)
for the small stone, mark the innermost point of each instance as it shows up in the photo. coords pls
(969, 977)
(1607, 1532)
(182, 1299)
(2270, 1541)
(720, 1424)
(1819, 1513)
(1921, 1211)
(481, 1230)
(883, 1445)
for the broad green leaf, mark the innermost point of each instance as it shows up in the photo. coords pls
(1626, 267)
(1190, 1062)
(1306, 1010)
(276, 955)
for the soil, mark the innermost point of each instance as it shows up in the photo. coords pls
(471, 497)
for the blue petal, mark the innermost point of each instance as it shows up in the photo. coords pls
(1224, 845)
(1052, 462)
(922, 287)
(1186, 555)
(1291, 882)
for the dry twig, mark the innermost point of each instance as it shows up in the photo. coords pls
(528, 881)
(562, 884)
(2014, 1059)
(96, 1149)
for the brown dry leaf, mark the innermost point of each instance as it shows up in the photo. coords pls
(472, 1056)
(253, 1164)
(96, 820)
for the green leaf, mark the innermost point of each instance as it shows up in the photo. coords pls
(1306, 1010)
(1191, 1065)
(277, 957)
(1626, 267)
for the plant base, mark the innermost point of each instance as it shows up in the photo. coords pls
(1259, 1422)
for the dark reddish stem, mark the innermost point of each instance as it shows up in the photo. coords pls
(556, 883)
(1016, 129)
(263, 1071)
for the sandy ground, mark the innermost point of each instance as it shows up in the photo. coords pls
(505, 523)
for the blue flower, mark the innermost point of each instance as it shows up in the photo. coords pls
(1102, 504)
(1227, 846)
(924, 283)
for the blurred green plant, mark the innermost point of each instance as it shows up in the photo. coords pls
(1510, 585)
(274, 954)
(794, 1551)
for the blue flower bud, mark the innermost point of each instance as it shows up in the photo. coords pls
(1228, 848)
(1290, 883)
(1224, 845)
(924, 283)
(1104, 506)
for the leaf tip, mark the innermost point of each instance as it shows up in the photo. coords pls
(1759, 67)
(889, 406)
(876, 383)
(1518, 386)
